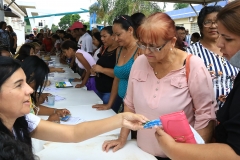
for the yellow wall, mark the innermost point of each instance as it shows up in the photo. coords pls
(185, 22)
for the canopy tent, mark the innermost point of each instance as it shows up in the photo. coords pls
(203, 2)
(188, 1)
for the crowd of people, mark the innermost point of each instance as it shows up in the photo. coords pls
(137, 67)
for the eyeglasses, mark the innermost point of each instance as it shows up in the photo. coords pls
(209, 23)
(152, 49)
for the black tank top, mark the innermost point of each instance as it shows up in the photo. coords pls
(106, 60)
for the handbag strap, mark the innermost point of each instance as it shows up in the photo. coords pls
(188, 66)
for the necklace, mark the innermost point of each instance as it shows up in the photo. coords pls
(155, 73)
(129, 50)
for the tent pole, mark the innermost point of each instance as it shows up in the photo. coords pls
(194, 9)
(1, 11)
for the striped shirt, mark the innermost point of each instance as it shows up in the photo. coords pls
(222, 72)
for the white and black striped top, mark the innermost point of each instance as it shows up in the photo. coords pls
(222, 72)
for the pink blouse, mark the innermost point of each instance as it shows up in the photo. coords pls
(153, 97)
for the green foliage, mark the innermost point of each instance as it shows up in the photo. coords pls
(67, 20)
(54, 28)
(180, 5)
(107, 10)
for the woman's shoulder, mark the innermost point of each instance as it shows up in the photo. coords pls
(141, 62)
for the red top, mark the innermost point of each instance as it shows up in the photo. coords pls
(48, 44)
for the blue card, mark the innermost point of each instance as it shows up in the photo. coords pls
(66, 118)
(152, 123)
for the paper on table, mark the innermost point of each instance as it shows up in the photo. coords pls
(51, 89)
(73, 121)
(59, 98)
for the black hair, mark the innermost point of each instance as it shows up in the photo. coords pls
(69, 44)
(196, 35)
(8, 66)
(36, 70)
(203, 13)
(24, 51)
(125, 22)
(61, 31)
(55, 36)
(180, 28)
(10, 28)
(39, 34)
(85, 26)
(11, 149)
(108, 29)
(68, 36)
(2, 23)
(98, 37)
(89, 32)
(137, 19)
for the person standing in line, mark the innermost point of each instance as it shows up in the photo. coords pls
(13, 39)
(221, 71)
(4, 37)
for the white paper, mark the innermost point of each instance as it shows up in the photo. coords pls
(197, 137)
(68, 84)
(73, 121)
(59, 98)
(51, 89)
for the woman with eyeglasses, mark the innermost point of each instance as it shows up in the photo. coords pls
(227, 132)
(221, 71)
(158, 85)
(123, 29)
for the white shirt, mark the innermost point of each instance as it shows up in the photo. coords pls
(85, 43)
(95, 57)
(33, 121)
(88, 58)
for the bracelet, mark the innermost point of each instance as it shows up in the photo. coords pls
(54, 110)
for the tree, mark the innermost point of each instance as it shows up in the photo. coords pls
(180, 5)
(107, 10)
(67, 20)
(54, 28)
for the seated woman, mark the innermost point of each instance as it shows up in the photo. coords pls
(25, 51)
(11, 149)
(36, 72)
(19, 124)
(105, 65)
(84, 61)
(158, 85)
(227, 132)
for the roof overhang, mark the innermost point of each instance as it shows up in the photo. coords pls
(10, 14)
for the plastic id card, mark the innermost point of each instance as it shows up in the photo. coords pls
(152, 123)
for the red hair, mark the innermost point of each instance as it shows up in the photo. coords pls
(157, 25)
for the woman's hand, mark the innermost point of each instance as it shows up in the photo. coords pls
(101, 106)
(77, 80)
(54, 118)
(60, 70)
(114, 144)
(79, 85)
(97, 68)
(133, 121)
(47, 83)
(164, 140)
(62, 112)
(42, 98)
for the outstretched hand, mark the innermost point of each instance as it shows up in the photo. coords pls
(133, 121)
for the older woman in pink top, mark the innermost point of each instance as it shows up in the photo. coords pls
(158, 85)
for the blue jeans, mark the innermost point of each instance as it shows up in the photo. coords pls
(104, 96)
(118, 105)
